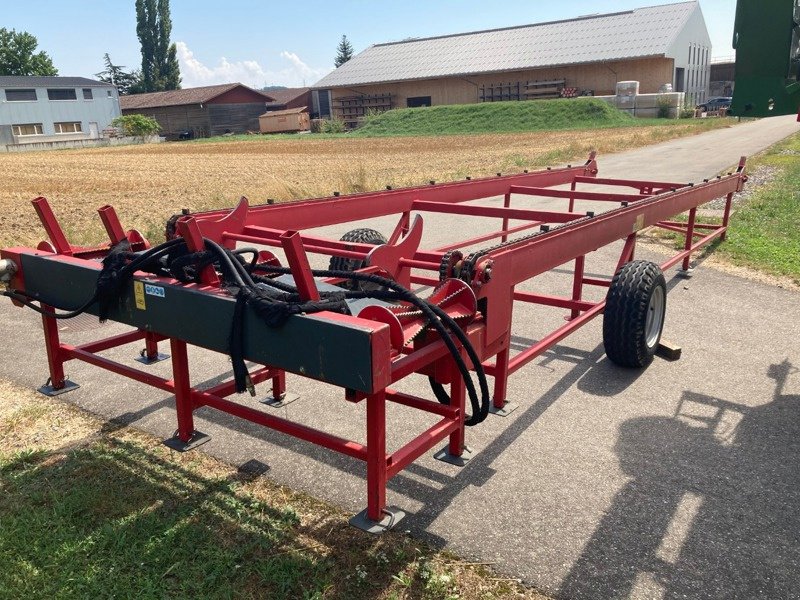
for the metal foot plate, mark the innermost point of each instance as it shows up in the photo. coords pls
(391, 517)
(686, 273)
(49, 390)
(175, 443)
(281, 401)
(459, 461)
(151, 361)
(506, 409)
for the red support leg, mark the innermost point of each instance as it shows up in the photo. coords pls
(506, 204)
(150, 354)
(280, 397)
(186, 438)
(689, 237)
(58, 383)
(628, 251)
(577, 284)
(456, 451)
(458, 399)
(376, 456)
(726, 216)
(500, 406)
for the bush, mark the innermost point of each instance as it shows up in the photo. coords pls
(137, 125)
(687, 112)
(333, 125)
(664, 107)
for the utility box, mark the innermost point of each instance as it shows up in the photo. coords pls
(289, 120)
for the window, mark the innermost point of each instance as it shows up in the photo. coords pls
(418, 101)
(68, 127)
(87, 94)
(679, 79)
(27, 129)
(110, 93)
(62, 94)
(21, 95)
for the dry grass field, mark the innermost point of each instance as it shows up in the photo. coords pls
(147, 184)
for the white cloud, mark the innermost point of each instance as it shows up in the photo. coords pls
(291, 72)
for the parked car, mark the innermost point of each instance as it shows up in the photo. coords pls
(715, 103)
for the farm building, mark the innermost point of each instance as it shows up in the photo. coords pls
(201, 111)
(657, 45)
(54, 110)
(289, 98)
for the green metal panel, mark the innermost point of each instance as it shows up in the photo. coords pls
(766, 41)
(310, 345)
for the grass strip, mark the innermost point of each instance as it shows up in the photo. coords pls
(91, 510)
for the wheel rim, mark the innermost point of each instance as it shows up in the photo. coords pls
(655, 317)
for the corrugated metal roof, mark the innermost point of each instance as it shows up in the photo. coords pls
(18, 81)
(288, 111)
(196, 95)
(287, 95)
(631, 34)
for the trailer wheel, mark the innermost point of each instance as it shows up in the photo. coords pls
(359, 236)
(634, 315)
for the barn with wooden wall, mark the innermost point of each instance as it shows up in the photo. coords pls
(202, 111)
(657, 45)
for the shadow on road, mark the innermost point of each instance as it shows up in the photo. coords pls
(711, 509)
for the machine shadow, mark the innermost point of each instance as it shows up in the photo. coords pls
(711, 506)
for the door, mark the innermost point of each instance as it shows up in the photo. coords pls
(94, 132)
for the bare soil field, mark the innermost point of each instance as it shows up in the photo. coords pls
(147, 184)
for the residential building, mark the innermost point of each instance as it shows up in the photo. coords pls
(54, 109)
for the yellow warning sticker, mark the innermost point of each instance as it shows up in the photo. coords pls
(138, 293)
(638, 225)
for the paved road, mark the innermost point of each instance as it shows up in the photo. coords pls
(679, 481)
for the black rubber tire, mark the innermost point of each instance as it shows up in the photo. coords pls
(625, 318)
(360, 236)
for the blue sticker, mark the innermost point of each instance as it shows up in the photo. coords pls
(153, 290)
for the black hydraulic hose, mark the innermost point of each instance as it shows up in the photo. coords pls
(27, 300)
(436, 316)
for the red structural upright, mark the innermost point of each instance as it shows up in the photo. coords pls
(546, 219)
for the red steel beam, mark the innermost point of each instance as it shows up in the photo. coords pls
(547, 251)
(576, 195)
(319, 212)
(496, 211)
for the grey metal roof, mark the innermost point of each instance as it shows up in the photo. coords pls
(18, 81)
(623, 35)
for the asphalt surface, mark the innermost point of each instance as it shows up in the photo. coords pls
(682, 480)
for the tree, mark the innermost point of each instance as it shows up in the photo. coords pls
(17, 55)
(118, 76)
(137, 125)
(344, 52)
(160, 70)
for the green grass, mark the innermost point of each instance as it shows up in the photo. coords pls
(490, 117)
(765, 233)
(113, 520)
(500, 117)
(117, 515)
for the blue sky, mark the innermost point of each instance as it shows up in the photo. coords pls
(290, 44)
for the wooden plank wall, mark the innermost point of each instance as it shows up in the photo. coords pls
(235, 118)
(602, 78)
(175, 120)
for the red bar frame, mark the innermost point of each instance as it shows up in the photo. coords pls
(512, 264)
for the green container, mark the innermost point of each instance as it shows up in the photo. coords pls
(766, 37)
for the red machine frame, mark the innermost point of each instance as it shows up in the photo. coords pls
(563, 237)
